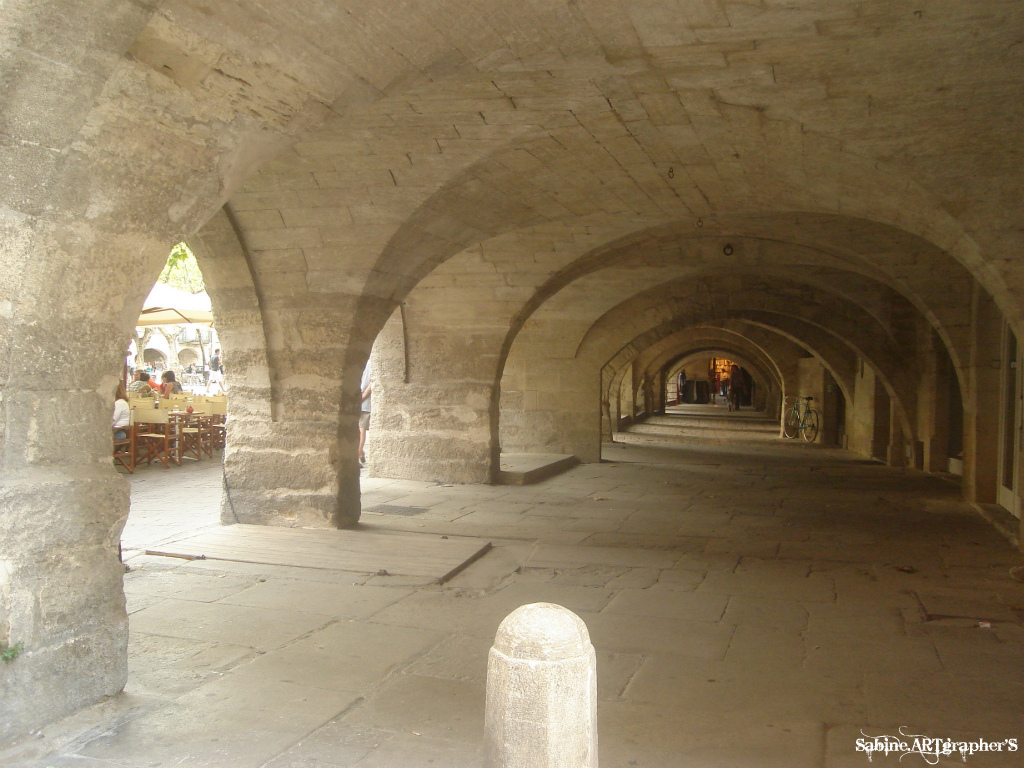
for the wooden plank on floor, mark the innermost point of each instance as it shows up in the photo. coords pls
(364, 549)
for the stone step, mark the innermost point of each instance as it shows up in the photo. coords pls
(711, 422)
(636, 436)
(530, 468)
(697, 430)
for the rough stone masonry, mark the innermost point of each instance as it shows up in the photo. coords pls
(539, 210)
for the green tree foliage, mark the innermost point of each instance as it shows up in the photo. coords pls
(182, 271)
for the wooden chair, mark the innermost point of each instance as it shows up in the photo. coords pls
(158, 437)
(124, 447)
(219, 430)
(196, 435)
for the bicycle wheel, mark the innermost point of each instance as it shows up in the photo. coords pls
(791, 426)
(810, 426)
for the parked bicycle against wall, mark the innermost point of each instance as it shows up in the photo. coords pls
(801, 419)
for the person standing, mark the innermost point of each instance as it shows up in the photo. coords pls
(737, 386)
(366, 390)
(216, 373)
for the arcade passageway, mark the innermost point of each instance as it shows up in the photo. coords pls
(752, 605)
(531, 217)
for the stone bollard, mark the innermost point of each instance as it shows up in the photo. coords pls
(541, 709)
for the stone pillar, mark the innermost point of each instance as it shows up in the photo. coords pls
(436, 431)
(883, 413)
(608, 398)
(561, 410)
(860, 414)
(433, 403)
(627, 401)
(658, 392)
(897, 451)
(830, 410)
(541, 708)
(289, 367)
(981, 399)
(62, 503)
(930, 446)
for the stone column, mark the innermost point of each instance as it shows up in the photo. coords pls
(883, 413)
(66, 312)
(627, 400)
(561, 408)
(439, 430)
(981, 399)
(541, 707)
(293, 360)
(939, 373)
(659, 392)
(433, 404)
(897, 453)
(860, 414)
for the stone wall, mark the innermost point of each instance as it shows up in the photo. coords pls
(550, 189)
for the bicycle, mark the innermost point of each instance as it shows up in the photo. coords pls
(802, 420)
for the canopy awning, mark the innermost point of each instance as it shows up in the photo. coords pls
(169, 306)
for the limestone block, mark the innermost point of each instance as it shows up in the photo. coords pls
(276, 470)
(541, 707)
(60, 591)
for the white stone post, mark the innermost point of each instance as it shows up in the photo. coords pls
(541, 709)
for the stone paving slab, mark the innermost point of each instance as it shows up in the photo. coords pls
(944, 701)
(547, 556)
(457, 657)
(348, 601)
(338, 744)
(259, 628)
(455, 712)
(628, 634)
(805, 647)
(701, 737)
(366, 549)
(177, 583)
(346, 656)
(228, 723)
(660, 602)
(740, 691)
(170, 666)
(412, 751)
(427, 610)
(969, 604)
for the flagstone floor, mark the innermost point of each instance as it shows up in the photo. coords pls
(752, 606)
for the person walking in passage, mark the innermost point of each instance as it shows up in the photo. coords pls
(737, 386)
(366, 389)
(216, 373)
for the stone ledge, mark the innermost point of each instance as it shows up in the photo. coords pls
(530, 468)
(1004, 522)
